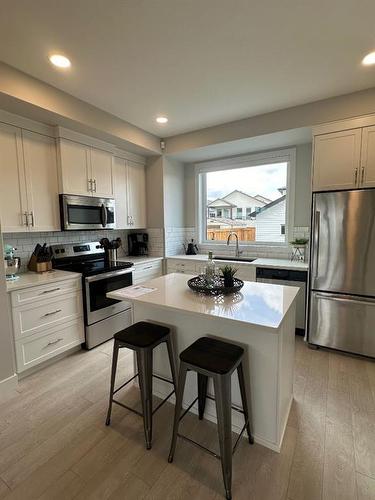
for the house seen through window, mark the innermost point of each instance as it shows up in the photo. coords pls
(250, 201)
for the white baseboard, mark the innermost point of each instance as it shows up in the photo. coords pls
(8, 385)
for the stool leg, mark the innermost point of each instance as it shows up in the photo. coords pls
(241, 380)
(144, 361)
(172, 361)
(113, 379)
(202, 393)
(178, 408)
(222, 385)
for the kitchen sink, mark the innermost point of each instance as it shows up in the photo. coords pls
(233, 259)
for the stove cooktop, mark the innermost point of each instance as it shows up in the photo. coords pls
(90, 268)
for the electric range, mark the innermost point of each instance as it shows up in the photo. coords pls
(103, 316)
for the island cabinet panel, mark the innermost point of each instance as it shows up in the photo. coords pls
(271, 391)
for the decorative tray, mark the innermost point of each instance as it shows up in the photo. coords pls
(214, 287)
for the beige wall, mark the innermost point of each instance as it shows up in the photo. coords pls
(6, 342)
(306, 115)
(174, 193)
(24, 95)
(302, 194)
(155, 192)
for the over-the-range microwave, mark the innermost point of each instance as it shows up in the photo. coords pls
(86, 212)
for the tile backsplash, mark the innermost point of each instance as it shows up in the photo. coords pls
(26, 242)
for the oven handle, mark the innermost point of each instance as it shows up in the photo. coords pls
(103, 211)
(112, 274)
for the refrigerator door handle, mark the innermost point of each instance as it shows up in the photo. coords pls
(316, 242)
(345, 298)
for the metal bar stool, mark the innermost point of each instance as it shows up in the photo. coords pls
(209, 357)
(142, 338)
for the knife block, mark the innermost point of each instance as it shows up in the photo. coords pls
(39, 267)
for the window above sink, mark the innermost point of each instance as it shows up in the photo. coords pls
(252, 196)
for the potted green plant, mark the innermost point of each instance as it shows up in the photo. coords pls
(228, 273)
(299, 242)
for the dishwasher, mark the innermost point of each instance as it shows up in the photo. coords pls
(292, 278)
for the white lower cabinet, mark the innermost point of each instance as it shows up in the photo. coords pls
(35, 349)
(246, 272)
(47, 320)
(147, 271)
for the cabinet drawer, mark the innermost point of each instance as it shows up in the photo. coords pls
(34, 318)
(38, 348)
(44, 292)
(184, 267)
(147, 271)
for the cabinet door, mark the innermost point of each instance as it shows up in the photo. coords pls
(368, 157)
(41, 181)
(101, 168)
(75, 169)
(337, 160)
(137, 195)
(13, 203)
(120, 185)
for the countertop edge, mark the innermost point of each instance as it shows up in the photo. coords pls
(16, 285)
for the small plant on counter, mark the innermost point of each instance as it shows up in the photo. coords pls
(299, 242)
(228, 273)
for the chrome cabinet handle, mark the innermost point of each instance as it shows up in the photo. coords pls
(149, 267)
(89, 185)
(356, 176)
(94, 182)
(54, 342)
(50, 291)
(26, 223)
(362, 175)
(53, 312)
(31, 214)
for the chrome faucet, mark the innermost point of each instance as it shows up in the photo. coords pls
(238, 252)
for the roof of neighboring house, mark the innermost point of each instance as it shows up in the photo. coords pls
(269, 205)
(262, 198)
(220, 202)
(252, 198)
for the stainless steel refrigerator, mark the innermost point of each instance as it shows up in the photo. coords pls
(342, 271)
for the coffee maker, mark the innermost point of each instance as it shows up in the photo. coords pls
(138, 244)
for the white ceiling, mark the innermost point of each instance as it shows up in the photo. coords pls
(200, 62)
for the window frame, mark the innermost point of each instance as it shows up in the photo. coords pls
(287, 155)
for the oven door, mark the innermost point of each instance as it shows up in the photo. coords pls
(98, 306)
(86, 212)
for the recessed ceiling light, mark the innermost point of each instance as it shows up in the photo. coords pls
(60, 61)
(369, 59)
(162, 119)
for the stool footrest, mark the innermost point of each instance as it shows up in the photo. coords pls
(136, 411)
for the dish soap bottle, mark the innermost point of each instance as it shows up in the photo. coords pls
(210, 269)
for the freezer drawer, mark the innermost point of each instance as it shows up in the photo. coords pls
(342, 322)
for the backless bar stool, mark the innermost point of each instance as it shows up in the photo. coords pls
(142, 338)
(209, 357)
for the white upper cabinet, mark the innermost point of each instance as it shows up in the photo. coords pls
(41, 181)
(75, 168)
(337, 160)
(367, 177)
(136, 195)
(85, 170)
(120, 184)
(29, 187)
(101, 173)
(13, 203)
(130, 193)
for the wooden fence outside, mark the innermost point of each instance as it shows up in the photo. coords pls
(244, 234)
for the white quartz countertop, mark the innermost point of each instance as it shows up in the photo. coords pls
(138, 260)
(259, 262)
(260, 304)
(30, 279)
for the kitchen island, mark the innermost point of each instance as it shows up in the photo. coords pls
(260, 318)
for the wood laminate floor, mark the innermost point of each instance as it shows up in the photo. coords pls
(54, 444)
